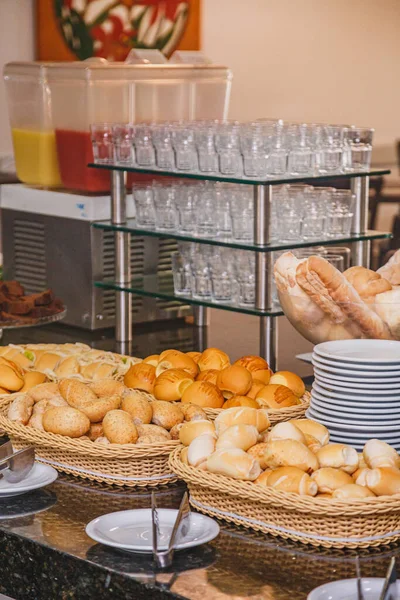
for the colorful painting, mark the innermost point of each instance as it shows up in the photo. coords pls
(80, 29)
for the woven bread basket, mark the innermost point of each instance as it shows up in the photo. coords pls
(123, 465)
(319, 522)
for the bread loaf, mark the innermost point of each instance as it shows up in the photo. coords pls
(387, 306)
(234, 463)
(44, 391)
(10, 378)
(104, 388)
(292, 479)
(312, 428)
(66, 420)
(194, 429)
(263, 478)
(352, 491)
(153, 359)
(47, 361)
(286, 431)
(119, 428)
(152, 432)
(256, 386)
(383, 481)
(360, 476)
(96, 411)
(95, 431)
(200, 449)
(203, 394)
(171, 385)
(328, 479)
(174, 431)
(338, 456)
(166, 414)
(290, 380)
(136, 403)
(257, 366)
(213, 358)
(290, 453)
(379, 454)
(242, 415)
(76, 393)
(238, 436)
(194, 355)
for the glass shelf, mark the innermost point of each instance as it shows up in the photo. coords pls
(155, 286)
(131, 227)
(243, 180)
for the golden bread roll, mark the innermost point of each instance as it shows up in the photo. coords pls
(66, 420)
(141, 376)
(192, 412)
(44, 391)
(67, 367)
(171, 385)
(252, 363)
(88, 371)
(174, 431)
(338, 456)
(153, 431)
(312, 443)
(213, 358)
(379, 454)
(153, 359)
(177, 360)
(102, 440)
(184, 455)
(383, 481)
(203, 394)
(193, 429)
(290, 453)
(361, 462)
(360, 476)
(264, 376)
(32, 379)
(200, 449)
(256, 386)
(257, 451)
(238, 436)
(239, 401)
(367, 283)
(96, 411)
(316, 430)
(286, 431)
(276, 396)
(194, 355)
(234, 463)
(166, 414)
(104, 388)
(119, 428)
(137, 404)
(76, 393)
(263, 478)
(4, 392)
(290, 380)
(96, 431)
(103, 371)
(10, 378)
(329, 479)
(292, 479)
(164, 353)
(353, 491)
(20, 409)
(243, 414)
(234, 381)
(211, 375)
(18, 357)
(47, 361)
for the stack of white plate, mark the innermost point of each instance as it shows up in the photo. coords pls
(356, 390)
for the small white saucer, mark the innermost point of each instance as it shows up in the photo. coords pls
(346, 589)
(131, 530)
(40, 476)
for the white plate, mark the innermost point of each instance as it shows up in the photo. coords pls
(375, 389)
(363, 413)
(353, 395)
(356, 417)
(393, 408)
(368, 376)
(361, 351)
(355, 366)
(40, 476)
(361, 382)
(374, 430)
(346, 589)
(131, 530)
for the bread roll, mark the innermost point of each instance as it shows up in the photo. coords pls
(328, 479)
(290, 380)
(387, 306)
(338, 456)
(290, 453)
(174, 431)
(136, 403)
(76, 393)
(292, 479)
(20, 410)
(48, 361)
(171, 385)
(324, 496)
(141, 376)
(194, 355)
(263, 478)
(276, 396)
(32, 379)
(164, 353)
(10, 378)
(192, 412)
(316, 430)
(360, 476)
(36, 421)
(177, 360)
(234, 463)
(258, 452)
(256, 386)
(353, 491)
(193, 429)
(286, 431)
(239, 401)
(103, 371)
(104, 388)
(238, 436)
(252, 363)
(203, 394)
(213, 358)
(184, 455)
(247, 416)
(18, 357)
(379, 454)
(234, 381)
(200, 449)
(166, 414)
(96, 431)
(153, 359)
(67, 367)
(155, 432)
(211, 375)
(119, 428)
(56, 401)
(367, 283)
(44, 391)
(383, 481)
(96, 411)
(102, 440)
(312, 443)
(66, 420)
(4, 392)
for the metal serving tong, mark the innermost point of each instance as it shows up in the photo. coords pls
(164, 558)
(15, 466)
(389, 590)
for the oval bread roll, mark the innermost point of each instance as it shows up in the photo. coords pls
(383, 481)
(174, 431)
(96, 411)
(290, 380)
(379, 454)
(263, 478)
(213, 358)
(292, 479)
(258, 452)
(210, 375)
(359, 476)
(338, 456)
(18, 357)
(66, 420)
(194, 355)
(290, 453)
(67, 367)
(256, 386)
(316, 430)
(104, 388)
(151, 439)
(234, 381)
(119, 428)
(47, 361)
(252, 363)
(32, 379)
(353, 491)
(103, 371)
(56, 401)
(141, 376)
(95, 431)
(20, 410)
(238, 436)
(153, 359)
(276, 396)
(153, 431)
(203, 394)
(171, 385)
(239, 401)
(76, 393)
(192, 412)
(137, 404)
(192, 429)
(44, 391)
(10, 379)
(328, 479)
(234, 463)
(175, 359)
(36, 421)
(247, 416)
(286, 431)
(166, 414)
(200, 449)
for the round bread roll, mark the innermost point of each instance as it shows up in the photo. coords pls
(263, 478)
(203, 394)
(200, 449)
(104, 388)
(193, 429)
(312, 428)
(47, 361)
(194, 355)
(153, 359)
(174, 431)
(239, 401)
(44, 391)
(192, 412)
(141, 376)
(238, 436)
(276, 396)
(10, 378)
(247, 416)
(338, 456)
(32, 379)
(76, 393)
(66, 420)
(67, 367)
(256, 387)
(264, 376)
(379, 454)
(234, 381)
(290, 380)
(257, 451)
(213, 358)
(211, 375)
(20, 409)
(96, 411)
(119, 428)
(286, 431)
(290, 453)
(353, 491)
(96, 431)
(292, 479)
(383, 481)
(252, 363)
(164, 353)
(136, 403)
(166, 414)
(234, 463)
(328, 479)
(177, 360)
(171, 385)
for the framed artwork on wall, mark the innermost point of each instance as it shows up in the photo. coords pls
(81, 29)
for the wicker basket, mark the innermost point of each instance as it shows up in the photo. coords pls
(328, 523)
(276, 415)
(129, 465)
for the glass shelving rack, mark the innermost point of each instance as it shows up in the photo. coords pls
(162, 287)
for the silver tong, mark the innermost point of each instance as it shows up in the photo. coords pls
(164, 558)
(15, 466)
(389, 590)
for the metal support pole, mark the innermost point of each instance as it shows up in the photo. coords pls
(123, 300)
(201, 316)
(269, 341)
(361, 251)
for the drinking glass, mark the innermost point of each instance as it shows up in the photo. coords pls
(301, 154)
(166, 212)
(143, 199)
(184, 146)
(206, 222)
(186, 206)
(336, 260)
(223, 210)
(340, 213)
(331, 151)
(102, 143)
(205, 144)
(162, 139)
(228, 147)
(275, 144)
(253, 150)
(182, 274)
(359, 143)
(244, 269)
(145, 153)
(314, 216)
(123, 143)
(242, 215)
(222, 276)
(201, 273)
(290, 211)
